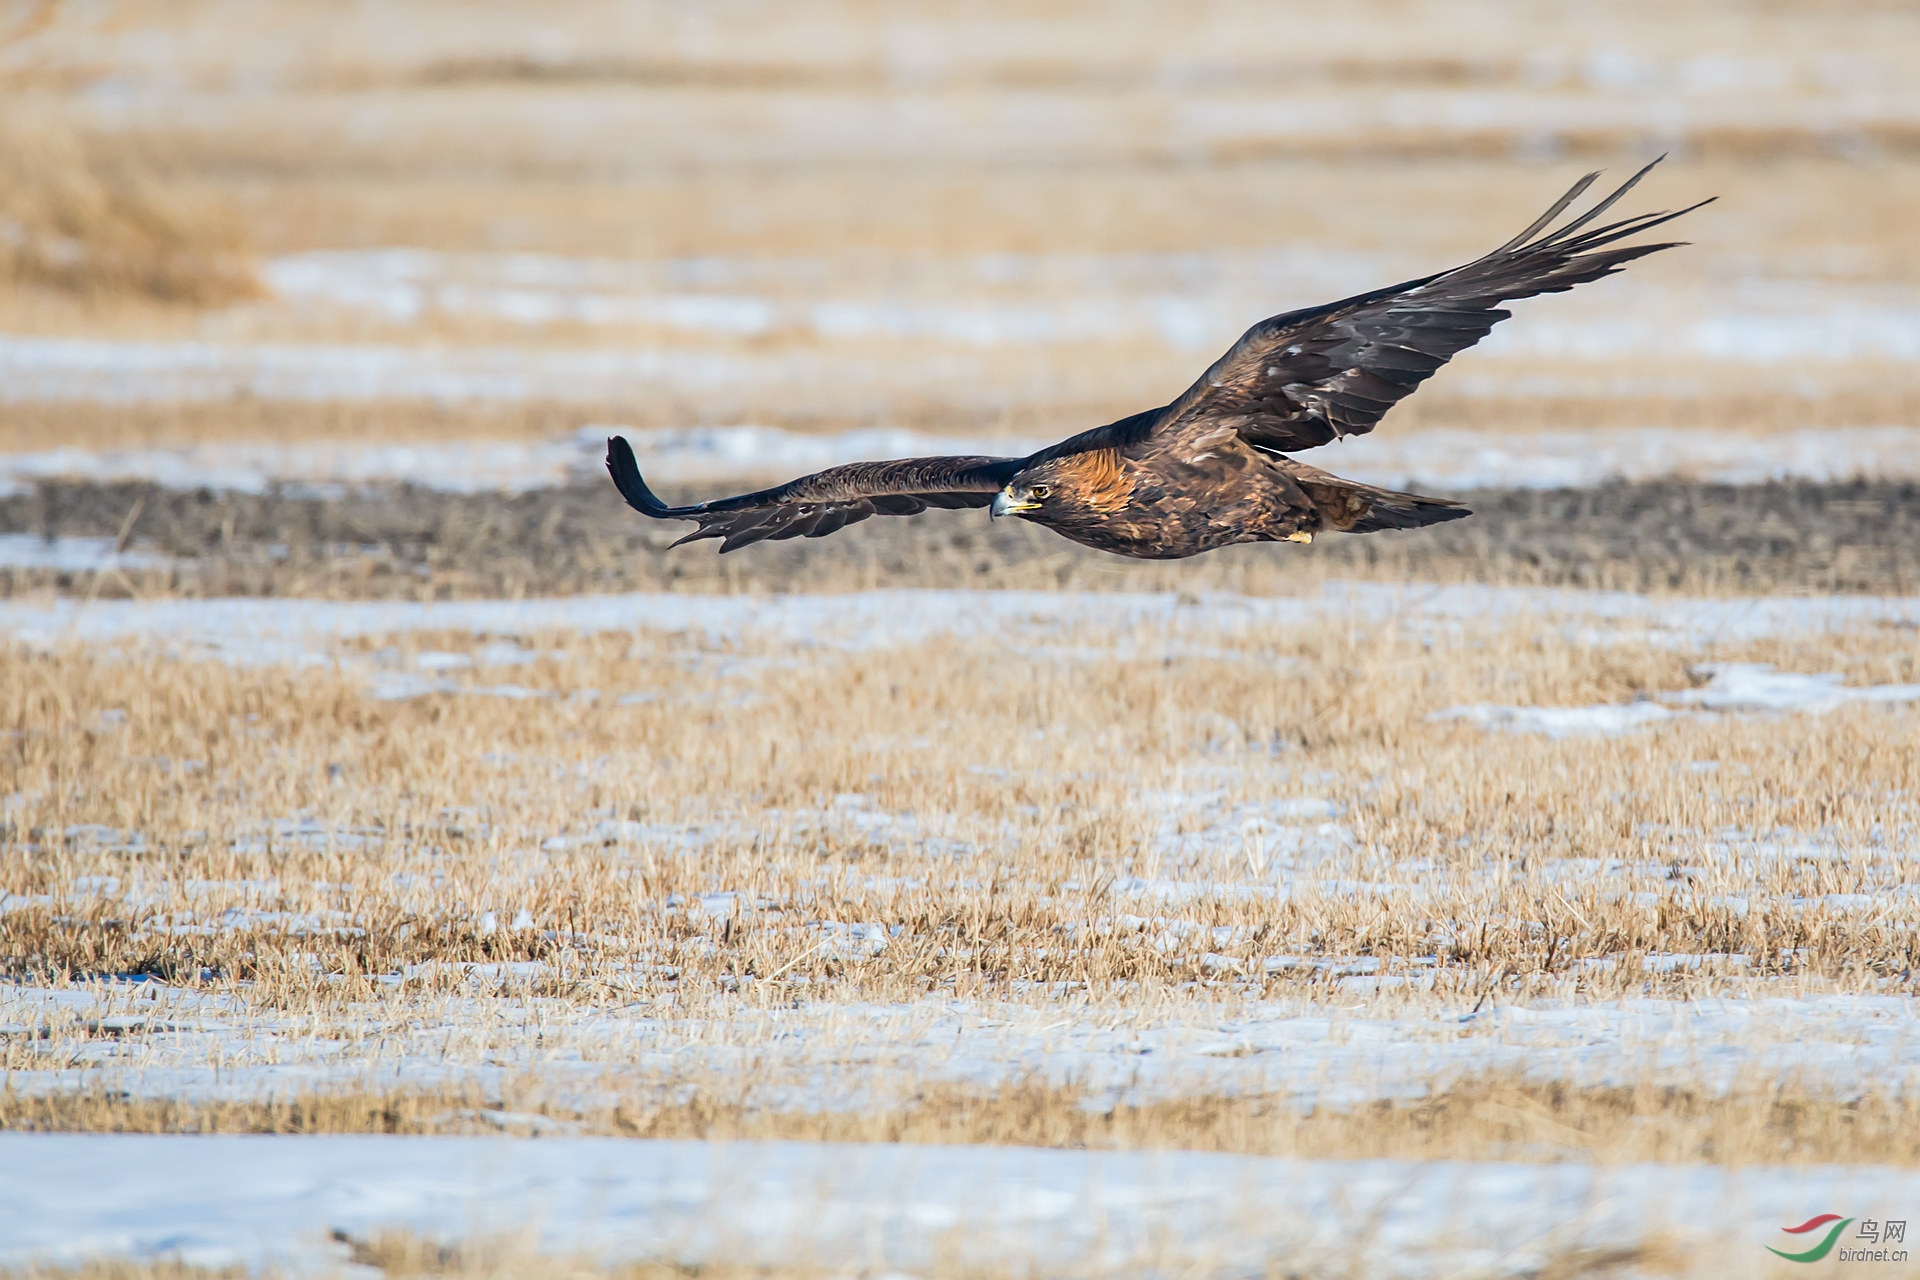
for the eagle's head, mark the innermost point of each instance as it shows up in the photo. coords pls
(1019, 497)
(1095, 482)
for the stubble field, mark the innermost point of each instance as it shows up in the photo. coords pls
(1528, 896)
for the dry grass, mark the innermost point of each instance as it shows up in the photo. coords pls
(311, 867)
(883, 156)
(122, 1269)
(327, 892)
(72, 221)
(402, 1254)
(1882, 397)
(53, 424)
(1500, 1117)
(1041, 764)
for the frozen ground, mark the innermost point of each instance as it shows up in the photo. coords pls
(1070, 628)
(1730, 686)
(262, 1202)
(72, 555)
(1451, 460)
(1375, 1032)
(1373, 1029)
(1192, 301)
(715, 847)
(690, 454)
(1185, 299)
(125, 372)
(249, 630)
(817, 332)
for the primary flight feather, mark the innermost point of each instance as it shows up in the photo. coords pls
(1211, 469)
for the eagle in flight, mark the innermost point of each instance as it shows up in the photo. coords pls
(1212, 468)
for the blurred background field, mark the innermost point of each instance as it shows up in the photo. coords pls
(254, 246)
(366, 767)
(1005, 220)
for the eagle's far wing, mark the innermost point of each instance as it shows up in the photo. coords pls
(1307, 377)
(823, 503)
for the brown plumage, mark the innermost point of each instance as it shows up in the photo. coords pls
(1210, 469)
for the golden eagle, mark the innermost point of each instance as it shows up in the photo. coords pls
(1211, 468)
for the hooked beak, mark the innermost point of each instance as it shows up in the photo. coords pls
(1005, 504)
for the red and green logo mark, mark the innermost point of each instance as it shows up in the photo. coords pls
(1869, 1244)
(1814, 1223)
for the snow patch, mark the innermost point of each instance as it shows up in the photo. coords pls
(1187, 300)
(1454, 460)
(277, 1202)
(676, 455)
(120, 371)
(1731, 687)
(300, 630)
(72, 555)
(1756, 686)
(1559, 722)
(1190, 301)
(1440, 459)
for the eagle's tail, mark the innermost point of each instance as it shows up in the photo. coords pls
(1347, 506)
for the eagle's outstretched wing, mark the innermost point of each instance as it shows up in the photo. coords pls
(817, 505)
(1307, 377)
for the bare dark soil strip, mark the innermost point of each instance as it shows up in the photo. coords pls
(396, 542)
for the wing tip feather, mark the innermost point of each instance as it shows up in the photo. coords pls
(624, 468)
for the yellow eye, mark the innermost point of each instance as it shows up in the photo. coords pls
(1039, 493)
